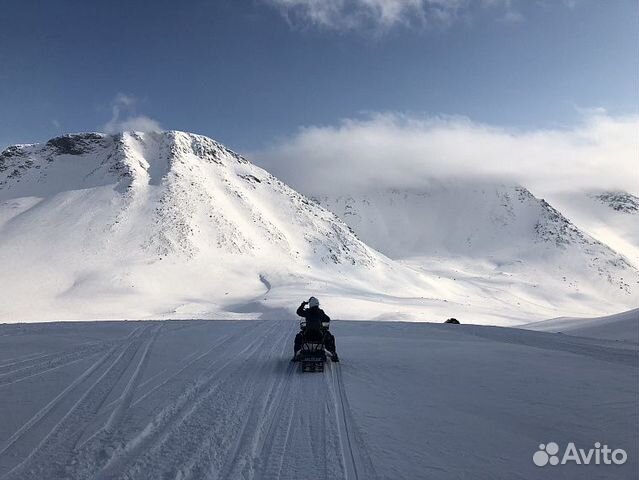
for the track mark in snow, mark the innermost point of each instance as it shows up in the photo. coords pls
(38, 365)
(107, 410)
(127, 396)
(242, 462)
(104, 436)
(235, 410)
(6, 449)
(273, 448)
(302, 431)
(13, 378)
(168, 377)
(229, 413)
(150, 380)
(145, 452)
(225, 339)
(357, 461)
(20, 359)
(50, 458)
(47, 408)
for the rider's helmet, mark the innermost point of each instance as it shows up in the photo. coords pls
(313, 302)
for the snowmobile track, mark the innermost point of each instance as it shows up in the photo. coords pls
(148, 451)
(57, 447)
(359, 465)
(279, 428)
(242, 463)
(220, 400)
(32, 367)
(42, 413)
(237, 409)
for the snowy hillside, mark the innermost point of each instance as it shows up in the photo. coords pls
(174, 225)
(621, 326)
(169, 224)
(218, 399)
(497, 240)
(610, 217)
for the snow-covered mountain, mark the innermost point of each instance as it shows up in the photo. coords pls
(611, 217)
(497, 239)
(174, 225)
(167, 224)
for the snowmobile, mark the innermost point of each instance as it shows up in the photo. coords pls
(313, 354)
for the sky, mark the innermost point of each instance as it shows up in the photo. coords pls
(266, 77)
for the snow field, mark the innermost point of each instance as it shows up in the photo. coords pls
(220, 399)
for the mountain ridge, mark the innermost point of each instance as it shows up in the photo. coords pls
(123, 209)
(128, 164)
(482, 221)
(175, 225)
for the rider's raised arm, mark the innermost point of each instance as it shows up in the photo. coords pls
(301, 312)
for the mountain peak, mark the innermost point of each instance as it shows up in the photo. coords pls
(619, 201)
(123, 156)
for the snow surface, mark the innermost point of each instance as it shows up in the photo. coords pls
(621, 326)
(220, 399)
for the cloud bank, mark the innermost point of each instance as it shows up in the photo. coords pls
(396, 151)
(384, 14)
(124, 118)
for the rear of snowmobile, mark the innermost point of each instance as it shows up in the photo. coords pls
(312, 356)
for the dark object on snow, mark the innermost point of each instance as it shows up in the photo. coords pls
(311, 354)
(314, 339)
(314, 316)
(452, 320)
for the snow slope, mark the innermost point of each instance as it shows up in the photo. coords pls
(621, 326)
(611, 217)
(219, 399)
(172, 225)
(498, 241)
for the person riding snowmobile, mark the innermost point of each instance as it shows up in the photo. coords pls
(315, 327)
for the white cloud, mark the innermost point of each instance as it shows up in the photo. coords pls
(124, 118)
(383, 14)
(139, 123)
(395, 151)
(125, 100)
(512, 17)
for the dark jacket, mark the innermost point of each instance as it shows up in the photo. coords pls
(314, 316)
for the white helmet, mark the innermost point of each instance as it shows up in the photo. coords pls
(313, 302)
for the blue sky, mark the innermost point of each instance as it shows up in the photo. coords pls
(250, 73)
